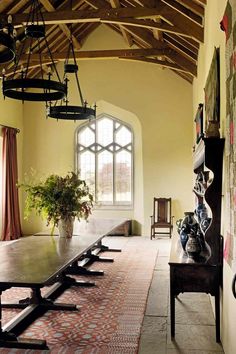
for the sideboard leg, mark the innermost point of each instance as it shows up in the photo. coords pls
(172, 314)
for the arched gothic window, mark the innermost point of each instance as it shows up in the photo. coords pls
(104, 157)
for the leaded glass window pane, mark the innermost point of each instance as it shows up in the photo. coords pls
(105, 160)
(123, 136)
(105, 131)
(86, 137)
(105, 177)
(87, 168)
(123, 176)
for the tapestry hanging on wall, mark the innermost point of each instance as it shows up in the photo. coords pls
(228, 24)
(212, 96)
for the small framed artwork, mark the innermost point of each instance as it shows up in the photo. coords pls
(199, 122)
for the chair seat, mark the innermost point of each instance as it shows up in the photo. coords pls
(161, 224)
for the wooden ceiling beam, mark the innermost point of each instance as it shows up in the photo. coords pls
(164, 11)
(131, 3)
(182, 46)
(144, 35)
(156, 32)
(163, 63)
(84, 31)
(14, 7)
(53, 33)
(196, 8)
(178, 64)
(146, 3)
(191, 43)
(201, 1)
(150, 25)
(127, 37)
(44, 64)
(177, 19)
(50, 8)
(137, 40)
(185, 11)
(115, 3)
(54, 38)
(163, 50)
(96, 4)
(102, 54)
(184, 63)
(185, 52)
(3, 5)
(76, 16)
(146, 23)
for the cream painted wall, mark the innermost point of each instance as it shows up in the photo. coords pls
(156, 102)
(11, 114)
(215, 37)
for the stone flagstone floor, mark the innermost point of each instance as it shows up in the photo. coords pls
(195, 328)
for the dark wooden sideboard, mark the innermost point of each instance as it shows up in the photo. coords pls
(204, 273)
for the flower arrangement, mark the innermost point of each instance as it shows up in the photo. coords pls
(59, 198)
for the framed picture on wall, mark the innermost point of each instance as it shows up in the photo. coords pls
(212, 94)
(199, 122)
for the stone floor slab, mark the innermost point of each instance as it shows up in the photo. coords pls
(193, 337)
(153, 338)
(195, 311)
(162, 263)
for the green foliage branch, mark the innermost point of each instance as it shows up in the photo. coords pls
(59, 198)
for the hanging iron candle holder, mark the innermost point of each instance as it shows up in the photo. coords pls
(25, 88)
(63, 110)
(7, 42)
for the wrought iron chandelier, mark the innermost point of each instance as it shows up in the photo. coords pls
(63, 110)
(19, 85)
(7, 42)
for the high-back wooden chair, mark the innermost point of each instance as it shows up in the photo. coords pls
(162, 219)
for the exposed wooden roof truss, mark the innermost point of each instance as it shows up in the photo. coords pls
(166, 33)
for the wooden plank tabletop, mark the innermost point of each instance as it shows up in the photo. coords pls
(36, 260)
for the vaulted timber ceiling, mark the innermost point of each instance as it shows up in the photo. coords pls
(167, 33)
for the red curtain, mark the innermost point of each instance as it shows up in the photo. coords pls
(11, 227)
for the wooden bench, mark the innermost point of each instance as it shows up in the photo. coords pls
(124, 229)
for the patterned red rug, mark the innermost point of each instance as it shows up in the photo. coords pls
(111, 313)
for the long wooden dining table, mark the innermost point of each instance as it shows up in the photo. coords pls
(42, 260)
